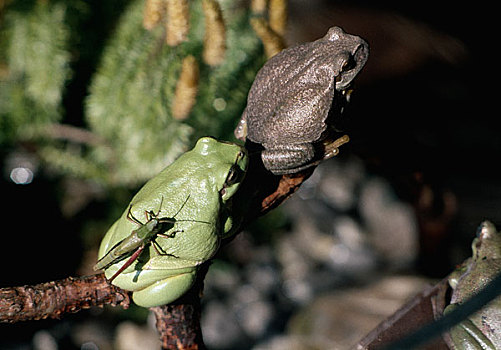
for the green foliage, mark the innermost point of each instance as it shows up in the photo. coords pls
(35, 62)
(132, 92)
(129, 102)
(132, 134)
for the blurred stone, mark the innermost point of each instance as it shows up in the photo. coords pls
(43, 340)
(221, 276)
(340, 319)
(352, 252)
(220, 326)
(264, 278)
(339, 181)
(298, 290)
(93, 333)
(295, 264)
(290, 343)
(89, 346)
(255, 317)
(130, 336)
(390, 223)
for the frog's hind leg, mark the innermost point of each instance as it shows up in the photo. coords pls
(165, 291)
(287, 159)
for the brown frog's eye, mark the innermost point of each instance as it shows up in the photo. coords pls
(348, 64)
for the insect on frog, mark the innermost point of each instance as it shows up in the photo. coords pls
(134, 244)
(195, 212)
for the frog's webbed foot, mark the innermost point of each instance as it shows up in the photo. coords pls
(331, 148)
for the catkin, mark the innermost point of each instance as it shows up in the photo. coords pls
(153, 13)
(258, 7)
(177, 24)
(277, 16)
(215, 33)
(272, 42)
(186, 89)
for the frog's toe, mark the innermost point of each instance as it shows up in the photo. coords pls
(164, 291)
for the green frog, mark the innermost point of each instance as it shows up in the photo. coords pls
(174, 224)
(481, 330)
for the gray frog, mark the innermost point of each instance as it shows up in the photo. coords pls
(294, 97)
(483, 329)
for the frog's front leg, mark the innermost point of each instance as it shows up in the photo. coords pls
(165, 291)
(288, 159)
(241, 129)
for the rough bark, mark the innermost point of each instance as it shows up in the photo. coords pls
(54, 299)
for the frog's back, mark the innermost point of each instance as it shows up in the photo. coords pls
(292, 94)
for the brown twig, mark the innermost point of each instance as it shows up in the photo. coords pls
(178, 324)
(73, 134)
(54, 299)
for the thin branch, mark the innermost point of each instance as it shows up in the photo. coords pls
(178, 324)
(54, 299)
(73, 134)
(417, 312)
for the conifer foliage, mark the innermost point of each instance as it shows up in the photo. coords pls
(169, 72)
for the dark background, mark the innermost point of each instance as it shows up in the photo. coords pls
(421, 116)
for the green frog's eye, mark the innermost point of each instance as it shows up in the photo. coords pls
(233, 176)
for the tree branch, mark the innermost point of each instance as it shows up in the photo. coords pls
(178, 323)
(54, 299)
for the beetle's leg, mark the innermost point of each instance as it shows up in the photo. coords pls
(182, 206)
(169, 235)
(160, 207)
(160, 250)
(132, 258)
(131, 217)
(150, 214)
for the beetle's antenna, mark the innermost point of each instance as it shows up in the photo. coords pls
(182, 206)
(160, 207)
